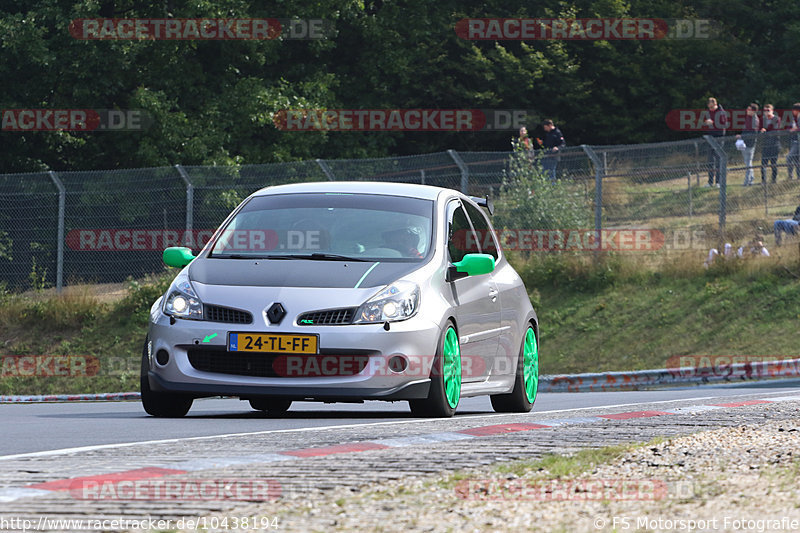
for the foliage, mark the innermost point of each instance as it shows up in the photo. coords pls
(529, 200)
(6, 245)
(37, 276)
(213, 102)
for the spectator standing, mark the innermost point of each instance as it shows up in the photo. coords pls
(717, 122)
(553, 143)
(771, 144)
(748, 136)
(793, 159)
(525, 143)
(524, 140)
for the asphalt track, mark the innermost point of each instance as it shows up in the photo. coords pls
(56, 457)
(31, 428)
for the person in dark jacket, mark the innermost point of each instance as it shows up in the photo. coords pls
(788, 225)
(553, 142)
(793, 158)
(771, 145)
(717, 123)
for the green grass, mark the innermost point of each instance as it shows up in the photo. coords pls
(622, 312)
(76, 323)
(628, 202)
(555, 466)
(621, 316)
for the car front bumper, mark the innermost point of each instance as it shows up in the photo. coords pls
(413, 340)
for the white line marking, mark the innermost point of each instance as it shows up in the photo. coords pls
(784, 399)
(493, 416)
(12, 493)
(564, 421)
(697, 408)
(220, 462)
(413, 440)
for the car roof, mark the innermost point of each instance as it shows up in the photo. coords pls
(410, 190)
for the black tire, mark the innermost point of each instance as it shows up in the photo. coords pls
(161, 404)
(517, 400)
(271, 406)
(436, 404)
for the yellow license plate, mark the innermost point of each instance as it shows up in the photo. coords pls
(272, 343)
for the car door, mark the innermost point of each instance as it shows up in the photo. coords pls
(506, 282)
(477, 301)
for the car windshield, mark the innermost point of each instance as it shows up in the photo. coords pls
(328, 226)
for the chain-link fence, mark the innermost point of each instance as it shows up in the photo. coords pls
(106, 226)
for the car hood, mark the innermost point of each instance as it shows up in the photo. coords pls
(297, 273)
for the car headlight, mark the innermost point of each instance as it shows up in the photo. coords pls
(398, 301)
(181, 301)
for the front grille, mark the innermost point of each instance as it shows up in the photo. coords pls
(216, 313)
(331, 317)
(219, 361)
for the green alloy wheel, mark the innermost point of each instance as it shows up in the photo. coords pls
(452, 368)
(526, 381)
(445, 388)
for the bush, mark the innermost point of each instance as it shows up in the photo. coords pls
(528, 200)
(141, 296)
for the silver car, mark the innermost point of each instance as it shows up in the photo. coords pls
(345, 292)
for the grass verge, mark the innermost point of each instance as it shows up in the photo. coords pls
(597, 313)
(76, 323)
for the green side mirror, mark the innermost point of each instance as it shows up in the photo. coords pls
(177, 256)
(475, 264)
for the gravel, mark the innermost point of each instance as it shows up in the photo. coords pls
(732, 479)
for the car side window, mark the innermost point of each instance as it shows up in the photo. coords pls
(459, 234)
(483, 231)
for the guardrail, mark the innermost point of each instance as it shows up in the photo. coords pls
(589, 382)
(641, 379)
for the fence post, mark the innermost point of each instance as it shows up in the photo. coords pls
(463, 168)
(326, 169)
(189, 203)
(689, 190)
(62, 207)
(422, 177)
(598, 193)
(723, 180)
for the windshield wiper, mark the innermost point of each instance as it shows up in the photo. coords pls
(310, 257)
(322, 257)
(243, 256)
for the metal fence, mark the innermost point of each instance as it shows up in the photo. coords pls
(60, 228)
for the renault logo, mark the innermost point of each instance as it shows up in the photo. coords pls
(275, 313)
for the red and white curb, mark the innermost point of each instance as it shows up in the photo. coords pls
(184, 467)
